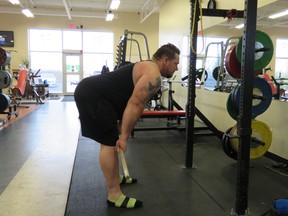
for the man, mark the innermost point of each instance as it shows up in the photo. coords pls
(114, 101)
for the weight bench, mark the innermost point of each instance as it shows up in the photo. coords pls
(163, 114)
(170, 115)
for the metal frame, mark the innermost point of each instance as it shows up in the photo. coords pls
(126, 32)
(246, 91)
(244, 118)
(122, 47)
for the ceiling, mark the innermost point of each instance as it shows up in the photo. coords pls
(98, 9)
(81, 8)
(263, 13)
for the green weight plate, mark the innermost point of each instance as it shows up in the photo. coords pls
(262, 58)
(234, 98)
(232, 110)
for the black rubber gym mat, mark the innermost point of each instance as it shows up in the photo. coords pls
(156, 159)
(163, 186)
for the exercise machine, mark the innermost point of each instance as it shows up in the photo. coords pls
(5, 82)
(27, 88)
(123, 56)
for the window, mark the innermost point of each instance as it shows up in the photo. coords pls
(97, 51)
(209, 51)
(102, 42)
(72, 40)
(185, 56)
(45, 51)
(281, 60)
(45, 40)
(46, 48)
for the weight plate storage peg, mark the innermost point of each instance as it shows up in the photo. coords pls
(261, 139)
(263, 50)
(261, 99)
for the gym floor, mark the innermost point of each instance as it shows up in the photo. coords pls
(48, 168)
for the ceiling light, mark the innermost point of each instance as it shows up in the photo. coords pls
(114, 4)
(14, 1)
(109, 16)
(240, 26)
(27, 12)
(277, 15)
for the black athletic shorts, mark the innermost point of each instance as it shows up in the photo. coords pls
(98, 118)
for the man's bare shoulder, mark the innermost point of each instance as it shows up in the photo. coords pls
(147, 68)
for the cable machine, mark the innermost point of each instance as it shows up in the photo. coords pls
(122, 47)
(244, 118)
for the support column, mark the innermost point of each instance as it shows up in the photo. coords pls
(245, 109)
(190, 112)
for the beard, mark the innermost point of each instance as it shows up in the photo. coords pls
(168, 76)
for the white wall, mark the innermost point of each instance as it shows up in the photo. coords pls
(213, 106)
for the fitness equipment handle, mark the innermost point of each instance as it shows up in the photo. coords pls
(124, 164)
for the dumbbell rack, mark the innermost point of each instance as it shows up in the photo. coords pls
(244, 118)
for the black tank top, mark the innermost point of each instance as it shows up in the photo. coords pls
(116, 87)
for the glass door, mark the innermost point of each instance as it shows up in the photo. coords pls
(72, 71)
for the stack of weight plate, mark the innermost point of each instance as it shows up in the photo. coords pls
(5, 79)
(262, 96)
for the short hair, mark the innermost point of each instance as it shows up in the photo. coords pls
(168, 50)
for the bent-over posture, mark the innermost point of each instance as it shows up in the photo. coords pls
(120, 96)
